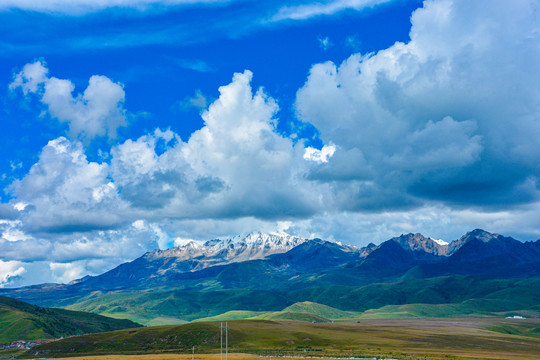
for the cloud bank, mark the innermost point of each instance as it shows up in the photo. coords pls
(451, 116)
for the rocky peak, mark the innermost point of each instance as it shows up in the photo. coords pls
(418, 242)
(477, 234)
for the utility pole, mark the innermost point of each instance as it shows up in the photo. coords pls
(226, 341)
(193, 353)
(221, 330)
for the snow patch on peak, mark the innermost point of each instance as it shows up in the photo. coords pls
(180, 242)
(440, 242)
(272, 240)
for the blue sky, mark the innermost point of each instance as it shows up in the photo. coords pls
(128, 127)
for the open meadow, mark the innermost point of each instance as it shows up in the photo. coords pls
(484, 338)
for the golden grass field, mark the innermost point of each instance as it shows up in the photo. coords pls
(165, 357)
(445, 339)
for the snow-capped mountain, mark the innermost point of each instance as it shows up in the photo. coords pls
(280, 262)
(161, 266)
(255, 245)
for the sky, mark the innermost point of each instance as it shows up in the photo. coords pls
(128, 126)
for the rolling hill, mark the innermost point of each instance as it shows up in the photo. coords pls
(289, 315)
(321, 310)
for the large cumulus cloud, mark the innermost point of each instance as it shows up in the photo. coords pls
(452, 115)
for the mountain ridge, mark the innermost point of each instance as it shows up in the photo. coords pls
(282, 263)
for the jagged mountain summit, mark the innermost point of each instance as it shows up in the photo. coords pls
(419, 243)
(254, 245)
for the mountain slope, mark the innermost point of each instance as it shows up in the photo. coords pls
(22, 321)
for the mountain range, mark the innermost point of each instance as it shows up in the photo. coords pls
(258, 272)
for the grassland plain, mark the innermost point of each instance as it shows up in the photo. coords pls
(458, 339)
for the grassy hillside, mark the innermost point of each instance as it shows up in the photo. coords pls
(22, 321)
(304, 311)
(146, 307)
(443, 296)
(233, 315)
(404, 339)
(495, 294)
(321, 310)
(286, 315)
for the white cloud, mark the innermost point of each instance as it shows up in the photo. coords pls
(195, 65)
(307, 11)
(353, 43)
(324, 42)
(86, 6)
(98, 111)
(11, 231)
(66, 192)
(197, 101)
(320, 156)
(66, 272)
(31, 78)
(9, 271)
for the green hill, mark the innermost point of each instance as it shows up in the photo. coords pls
(301, 311)
(286, 315)
(22, 321)
(232, 315)
(321, 310)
